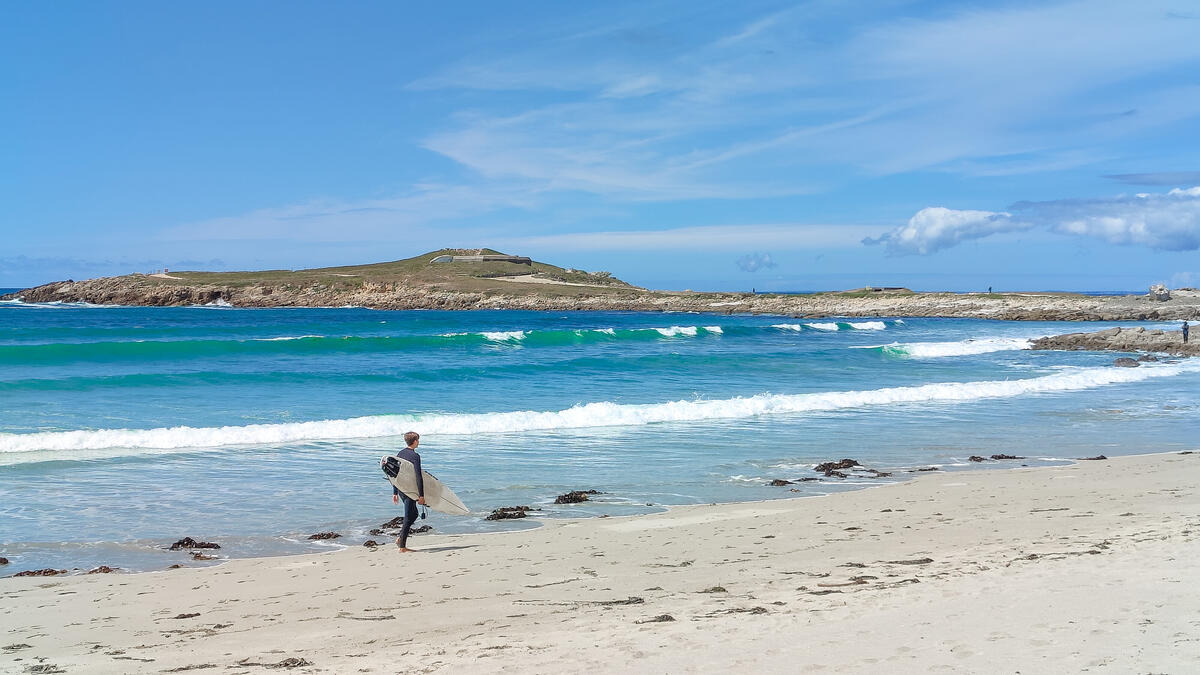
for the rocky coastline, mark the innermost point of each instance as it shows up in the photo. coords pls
(145, 290)
(1129, 340)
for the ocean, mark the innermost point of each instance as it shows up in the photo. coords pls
(123, 429)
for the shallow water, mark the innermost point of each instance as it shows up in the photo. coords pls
(122, 429)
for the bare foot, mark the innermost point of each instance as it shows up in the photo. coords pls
(407, 550)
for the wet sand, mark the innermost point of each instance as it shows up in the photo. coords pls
(1089, 567)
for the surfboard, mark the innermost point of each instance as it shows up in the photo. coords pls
(437, 496)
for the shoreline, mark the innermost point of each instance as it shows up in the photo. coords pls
(532, 522)
(592, 592)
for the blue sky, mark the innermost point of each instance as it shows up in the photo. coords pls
(782, 146)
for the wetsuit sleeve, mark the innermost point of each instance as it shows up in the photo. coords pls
(420, 478)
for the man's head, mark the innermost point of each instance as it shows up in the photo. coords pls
(412, 438)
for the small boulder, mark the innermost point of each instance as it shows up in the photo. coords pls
(575, 496)
(188, 542)
(370, 543)
(103, 569)
(3, 560)
(779, 482)
(421, 530)
(48, 572)
(1146, 358)
(323, 535)
(1093, 458)
(828, 468)
(976, 458)
(1126, 362)
(1006, 457)
(509, 513)
(1159, 293)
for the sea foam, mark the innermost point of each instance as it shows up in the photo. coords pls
(933, 350)
(42, 446)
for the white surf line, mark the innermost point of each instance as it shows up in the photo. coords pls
(602, 414)
(933, 350)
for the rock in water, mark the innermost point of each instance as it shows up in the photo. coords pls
(48, 572)
(3, 561)
(828, 468)
(779, 482)
(575, 496)
(324, 535)
(1126, 362)
(188, 542)
(509, 512)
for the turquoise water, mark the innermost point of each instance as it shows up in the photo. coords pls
(123, 429)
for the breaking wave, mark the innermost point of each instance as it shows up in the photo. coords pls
(834, 325)
(45, 446)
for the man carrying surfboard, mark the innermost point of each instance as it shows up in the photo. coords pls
(413, 439)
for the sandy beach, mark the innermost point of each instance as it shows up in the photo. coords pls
(1082, 568)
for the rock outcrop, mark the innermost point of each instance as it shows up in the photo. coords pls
(574, 497)
(189, 543)
(1121, 339)
(264, 290)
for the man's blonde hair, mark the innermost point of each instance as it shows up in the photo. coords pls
(411, 436)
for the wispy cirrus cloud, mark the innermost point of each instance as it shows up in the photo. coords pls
(1167, 221)
(797, 90)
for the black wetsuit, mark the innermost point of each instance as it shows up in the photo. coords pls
(410, 505)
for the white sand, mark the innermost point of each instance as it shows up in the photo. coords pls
(1087, 568)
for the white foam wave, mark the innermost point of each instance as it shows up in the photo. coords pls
(70, 444)
(822, 326)
(287, 337)
(867, 325)
(675, 331)
(219, 302)
(54, 304)
(934, 350)
(505, 335)
(714, 329)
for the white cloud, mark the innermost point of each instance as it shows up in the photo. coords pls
(1167, 221)
(936, 227)
(1019, 88)
(753, 262)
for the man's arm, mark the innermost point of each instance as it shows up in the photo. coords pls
(420, 479)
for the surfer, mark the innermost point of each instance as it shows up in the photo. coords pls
(413, 439)
(1185, 332)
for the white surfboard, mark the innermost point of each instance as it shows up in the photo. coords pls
(437, 496)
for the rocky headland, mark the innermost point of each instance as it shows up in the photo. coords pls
(1135, 339)
(424, 283)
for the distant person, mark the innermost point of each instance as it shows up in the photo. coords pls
(1185, 332)
(413, 439)
(989, 290)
